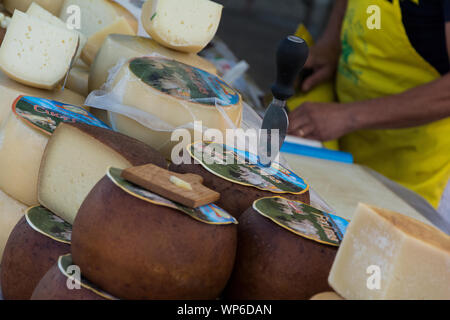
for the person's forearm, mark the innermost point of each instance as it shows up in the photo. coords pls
(332, 32)
(415, 107)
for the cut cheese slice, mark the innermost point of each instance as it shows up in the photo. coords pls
(11, 211)
(78, 80)
(117, 46)
(35, 52)
(187, 25)
(10, 90)
(326, 296)
(98, 14)
(178, 95)
(53, 6)
(77, 157)
(40, 13)
(120, 26)
(386, 255)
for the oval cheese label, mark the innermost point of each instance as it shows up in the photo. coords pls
(242, 167)
(45, 115)
(303, 220)
(210, 214)
(45, 222)
(184, 82)
(66, 266)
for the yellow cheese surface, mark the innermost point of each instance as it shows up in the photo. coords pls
(54, 6)
(386, 255)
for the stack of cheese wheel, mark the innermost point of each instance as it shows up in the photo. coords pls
(148, 251)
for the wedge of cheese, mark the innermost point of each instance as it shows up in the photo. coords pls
(10, 90)
(37, 53)
(386, 255)
(98, 14)
(117, 46)
(38, 12)
(54, 6)
(11, 211)
(120, 26)
(77, 157)
(187, 25)
(78, 80)
(175, 94)
(329, 295)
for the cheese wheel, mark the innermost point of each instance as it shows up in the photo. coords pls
(175, 93)
(386, 255)
(117, 46)
(53, 286)
(11, 211)
(27, 258)
(273, 263)
(78, 80)
(77, 157)
(10, 90)
(40, 13)
(120, 26)
(148, 251)
(37, 53)
(53, 6)
(187, 25)
(97, 15)
(326, 296)
(234, 198)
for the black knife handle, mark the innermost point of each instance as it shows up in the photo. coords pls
(291, 58)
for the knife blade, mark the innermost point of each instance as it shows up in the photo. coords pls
(291, 57)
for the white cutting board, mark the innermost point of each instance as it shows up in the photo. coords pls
(344, 185)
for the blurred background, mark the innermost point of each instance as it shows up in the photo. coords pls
(252, 30)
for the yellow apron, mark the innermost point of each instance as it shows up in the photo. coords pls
(381, 62)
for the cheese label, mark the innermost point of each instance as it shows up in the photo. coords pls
(183, 82)
(65, 263)
(45, 115)
(45, 222)
(210, 214)
(303, 220)
(242, 167)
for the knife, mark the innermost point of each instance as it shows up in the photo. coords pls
(291, 57)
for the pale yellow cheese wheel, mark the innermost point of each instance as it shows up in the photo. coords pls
(174, 105)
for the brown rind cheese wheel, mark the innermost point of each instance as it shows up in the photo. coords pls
(234, 198)
(53, 286)
(273, 263)
(27, 257)
(137, 250)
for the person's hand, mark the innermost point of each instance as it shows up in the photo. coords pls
(323, 60)
(320, 121)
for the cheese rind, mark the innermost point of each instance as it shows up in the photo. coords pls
(37, 53)
(98, 14)
(77, 157)
(179, 97)
(53, 6)
(11, 211)
(385, 255)
(117, 46)
(93, 45)
(187, 25)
